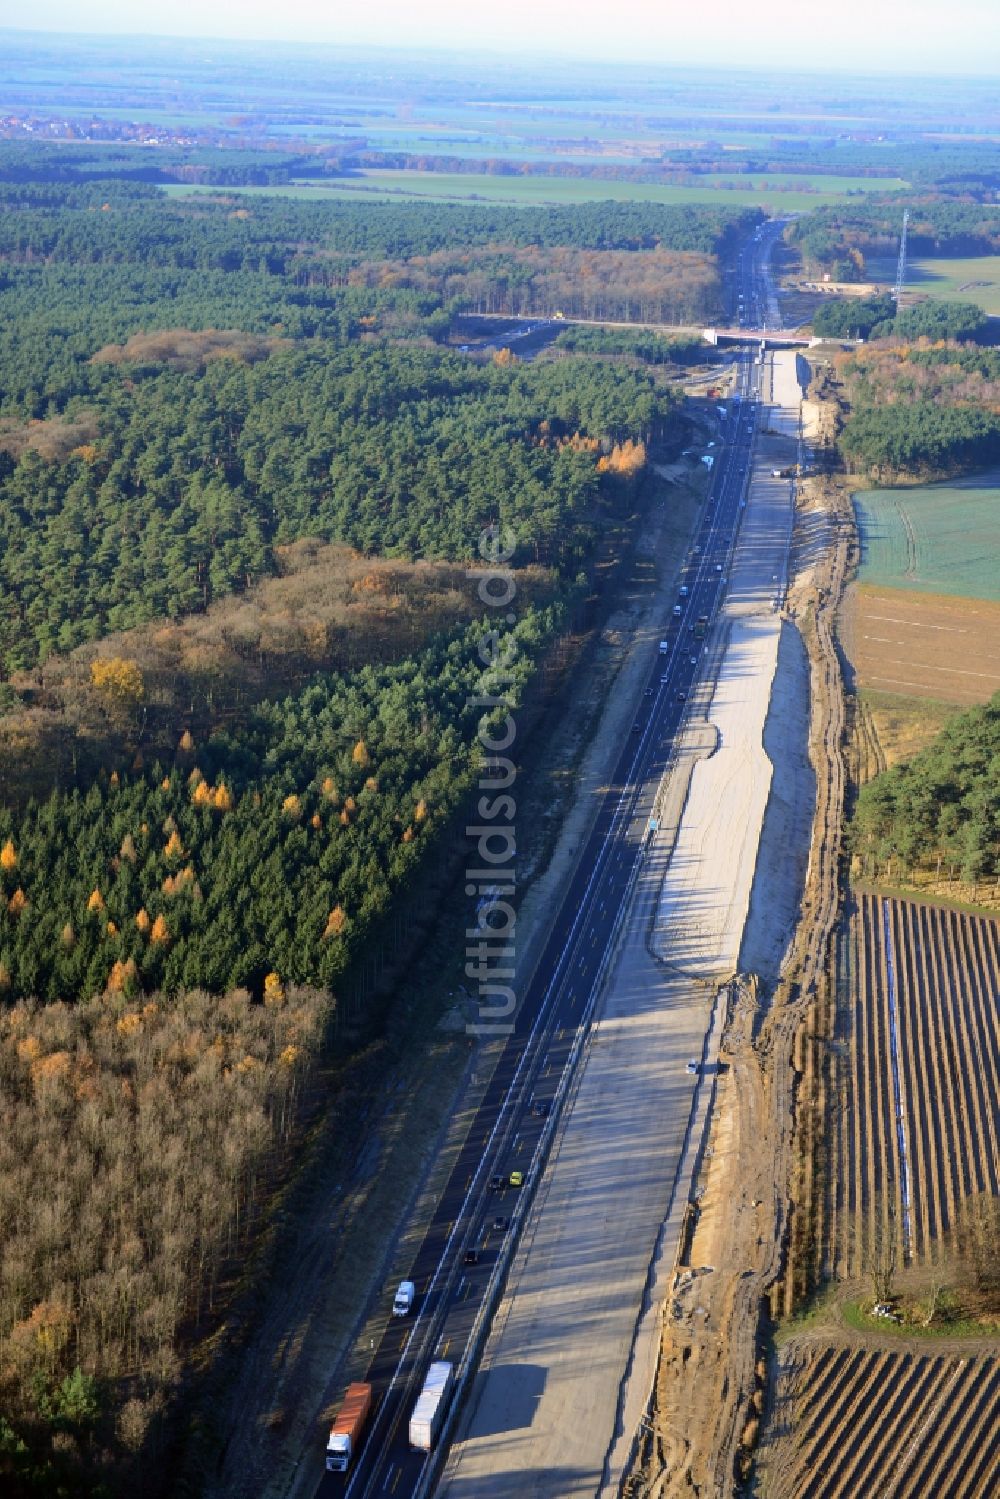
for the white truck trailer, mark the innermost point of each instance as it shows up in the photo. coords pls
(429, 1410)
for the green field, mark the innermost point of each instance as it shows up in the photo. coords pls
(471, 187)
(796, 181)
(974, 279)
(936, 538)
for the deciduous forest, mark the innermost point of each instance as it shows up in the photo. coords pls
(929, 408)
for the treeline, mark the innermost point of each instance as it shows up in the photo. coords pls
(876, 317)
(969, 169)
(658, 285)
(930, 410)
(328, 610)
(837, 239)
(39, 162)
(212, 232)
(921, 439)
(681, 168)
(852, 317)
(194, 477)
(138, 1142)
(633, 343)
(277, 844)
(939, 810)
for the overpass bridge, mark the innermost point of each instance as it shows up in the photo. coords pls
(764, 338)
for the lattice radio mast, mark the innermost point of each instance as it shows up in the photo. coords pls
(901, 262)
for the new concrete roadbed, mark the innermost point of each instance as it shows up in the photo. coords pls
(569, 1365)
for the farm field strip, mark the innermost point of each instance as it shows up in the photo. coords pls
(886, 1424)
(930, 538)
(905, 1188)
(918, 1126)
(923, 645)
(464, 187)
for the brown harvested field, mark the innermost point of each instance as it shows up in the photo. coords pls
(917, 1129)
(856, 1424)
(922, 644)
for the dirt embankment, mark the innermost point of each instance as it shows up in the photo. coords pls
(710, 1384)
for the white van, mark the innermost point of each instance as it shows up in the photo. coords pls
(403, 1303)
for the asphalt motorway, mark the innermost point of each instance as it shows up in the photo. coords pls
(508, 1126)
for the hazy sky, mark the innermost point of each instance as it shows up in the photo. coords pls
(961, 36)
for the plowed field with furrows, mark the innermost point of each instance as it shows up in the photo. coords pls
(918, 1077)
(860, 1425)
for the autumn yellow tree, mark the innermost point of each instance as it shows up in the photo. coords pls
(625, 459)
(118, 682)
(222, 799)
(160, 932)
(122, 980)
(335, 923)
(360, 755)
(274, 990)
(8, 856)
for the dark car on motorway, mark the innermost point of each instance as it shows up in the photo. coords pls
(540, 1108)
(499, 1225)
(497, 1183)
(471, 1257)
